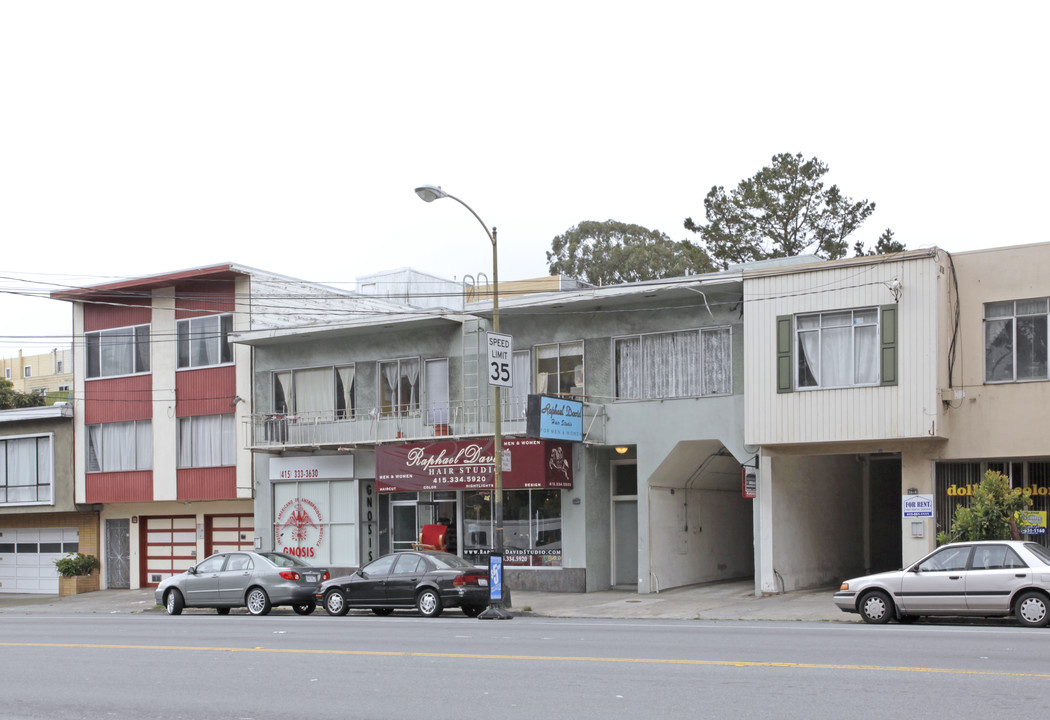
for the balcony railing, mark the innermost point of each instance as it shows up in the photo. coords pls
(274, 431)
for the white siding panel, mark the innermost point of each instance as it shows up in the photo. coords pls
(911, 409)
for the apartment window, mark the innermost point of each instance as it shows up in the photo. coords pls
(26, 470)
(516, 398)
(1015, 334)
(837, 349)
(399, 387)
(325, 392)
(27, 371)
(559, 369)
(120, 351)
(123, 446)
(204, 341)
(207, 441)
(688, 363)
(63, 388)
(58, 367)
(436, 390)
(7, 373)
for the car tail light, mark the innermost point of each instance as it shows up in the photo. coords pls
(290, 575)
(461, 580)
(327, 576)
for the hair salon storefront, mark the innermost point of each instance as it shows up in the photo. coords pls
(452, 483)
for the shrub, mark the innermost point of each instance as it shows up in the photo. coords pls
(75, 564)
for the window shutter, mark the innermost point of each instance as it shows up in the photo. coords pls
(888, 358)
(784, 345)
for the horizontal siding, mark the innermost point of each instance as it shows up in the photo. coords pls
(208, 391)
(101, 317)
(910, 409)
(118, 399)
(120, 487)
(204, 297)
(219, 483)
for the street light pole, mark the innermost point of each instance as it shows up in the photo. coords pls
(430, 193)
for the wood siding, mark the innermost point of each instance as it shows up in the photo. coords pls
(910, 409)
(217, 483)
(208, 391)
(118, 399)
(134, 486)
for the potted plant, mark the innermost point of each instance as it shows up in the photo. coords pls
(78, 573)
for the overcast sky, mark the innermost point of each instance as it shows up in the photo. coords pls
(143, 137)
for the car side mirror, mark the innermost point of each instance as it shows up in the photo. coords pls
(191, 570)
(362, 574)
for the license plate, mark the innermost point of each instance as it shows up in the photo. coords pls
(310, 578)
(483, 582)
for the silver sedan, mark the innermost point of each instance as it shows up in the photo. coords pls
(257, 581)
(977, 579)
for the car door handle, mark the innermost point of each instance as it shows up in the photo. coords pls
(1021, 575)
(955, 577)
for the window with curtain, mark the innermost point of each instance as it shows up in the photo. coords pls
(436, 389)
(516, 398)
(837, 349)
(687, 363)
(123, 446)
(207, 441)
(26, 470)
(399, 387)
(559, 369)
(1015, 335)
(204, 341)
(120, 351)
(320, 393)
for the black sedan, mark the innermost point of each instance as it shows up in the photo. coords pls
(425, 580)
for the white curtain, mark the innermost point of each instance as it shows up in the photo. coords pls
(116, 447)
(517, 397)
(345, 399)
(437, 392)
(144, 444)
(117, 349)
(391, 378)
(718, 361)
(282, 392)
(808, 350)
(22, 466)
(207, 441)
(204, 341)
(866, 354)
(410, 371)
(672, 365)
(629, 368)
(314, 394)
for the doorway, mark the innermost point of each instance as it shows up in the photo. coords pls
(624, 523)
(118, 554)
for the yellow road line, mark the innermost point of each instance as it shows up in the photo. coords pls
(546, 658)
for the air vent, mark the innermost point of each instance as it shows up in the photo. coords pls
(155, 578)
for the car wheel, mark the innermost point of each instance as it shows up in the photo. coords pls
(1031, 610)
(304, 609)
(472, 610)
(222, 611)
(258, 601)
(428, 602)
(335, 602)
(876, 607)
(174, 603)
(382, 612)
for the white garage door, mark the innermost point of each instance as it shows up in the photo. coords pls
(27, 558)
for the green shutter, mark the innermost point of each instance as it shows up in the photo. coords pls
(889, 344)
(784, 344)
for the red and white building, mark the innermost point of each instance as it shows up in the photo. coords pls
(160, 398)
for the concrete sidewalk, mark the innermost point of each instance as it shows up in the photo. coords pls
(719, 601)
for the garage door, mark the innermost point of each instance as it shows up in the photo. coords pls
(27, 558)
(170, 545)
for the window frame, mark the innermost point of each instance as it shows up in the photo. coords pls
(290, 395)
(187, 339)
(5, 471)
(141, 363)
(560, 357)
(190, 420)
(100, 457)
(399, 408)
(643, 371)
(819, 330)
(1013, 318)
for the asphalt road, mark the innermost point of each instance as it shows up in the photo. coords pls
(242, 667)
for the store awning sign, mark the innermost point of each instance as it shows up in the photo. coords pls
(469, 465)
(554, 418)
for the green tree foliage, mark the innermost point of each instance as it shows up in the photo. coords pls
(992, 514)
(783, 210)
(885, 245)
(611, 252)
(11, 399)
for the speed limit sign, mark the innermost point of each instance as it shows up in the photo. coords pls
(500, 352)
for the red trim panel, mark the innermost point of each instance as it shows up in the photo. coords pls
(118, 399)
(216, 483)
(208, 391)
(136, 486)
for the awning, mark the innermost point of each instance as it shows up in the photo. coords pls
(469, 465)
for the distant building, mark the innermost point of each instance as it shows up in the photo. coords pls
(49, 373)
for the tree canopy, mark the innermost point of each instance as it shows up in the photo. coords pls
(784, 209)
(11, 399)
(612, 252)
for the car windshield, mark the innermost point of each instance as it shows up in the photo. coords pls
(448, 560)
(1039, 551)
(282, 560)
